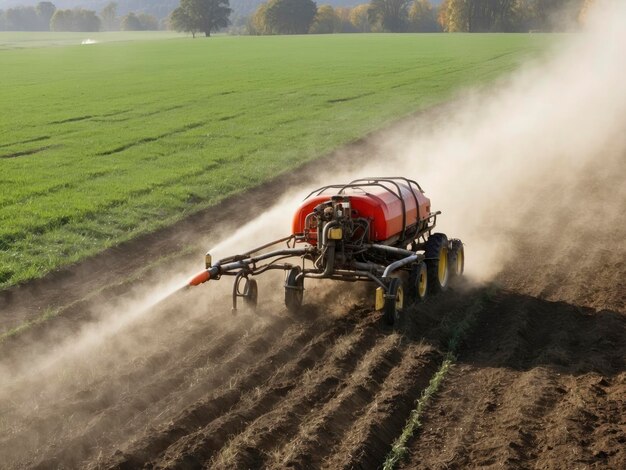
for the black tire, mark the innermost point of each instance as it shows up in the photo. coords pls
(394, 302)
(294, 290)
(417, 288)
(437, 263)
(251, 295)
(456, 258)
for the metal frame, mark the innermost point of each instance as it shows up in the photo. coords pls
(369, 262)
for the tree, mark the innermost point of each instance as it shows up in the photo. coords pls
(442, 15)
(454, 16)
(130, 22)
(524, 18)
(258, 24)
(508, 15)
(345, 25)
(45, 10)
(422, 17)
(23, 19)
(201, 15)
(326, 21)
(86, 20)
(491, 15)
(140, 22)
(60, 21)
(109, 16)
(290, 16)
(583, 15)
(390, 14)
(28, 18)
(182, 22)
(75, 20)
(556, 15)
(148, 22)
(359, 18)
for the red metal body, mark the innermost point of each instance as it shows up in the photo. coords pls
(382, 207)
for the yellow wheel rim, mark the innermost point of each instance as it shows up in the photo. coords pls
(443, 265)
(400, 298)
(421, 283)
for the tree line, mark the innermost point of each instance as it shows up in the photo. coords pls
(305, 16)
(46, 17)
(511, 15)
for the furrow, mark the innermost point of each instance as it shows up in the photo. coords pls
(24, 153)
(278, 364)
(147, 140)
(542, 375)
(174, 386)
(369, 437)
(317, 386)
(72, 119)
(329, 423)
(26, 141)
(257, 395)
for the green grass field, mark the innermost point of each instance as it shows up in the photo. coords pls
(102, 142)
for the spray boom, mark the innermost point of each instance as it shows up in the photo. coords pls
(200, 278)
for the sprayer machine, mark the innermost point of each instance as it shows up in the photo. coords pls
(377, 230)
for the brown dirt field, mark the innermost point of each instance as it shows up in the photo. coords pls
(540, 381)
(238, 392)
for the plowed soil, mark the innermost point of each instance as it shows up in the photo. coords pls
(540, 380)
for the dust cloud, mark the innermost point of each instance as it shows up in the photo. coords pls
(493, 161)
(511, 158)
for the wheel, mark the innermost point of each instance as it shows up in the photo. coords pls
(251, 294)
(394, 302)
(456, 258)
(418, 283)
(294, 290)
(437, 262)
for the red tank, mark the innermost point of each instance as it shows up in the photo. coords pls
(380, 203)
